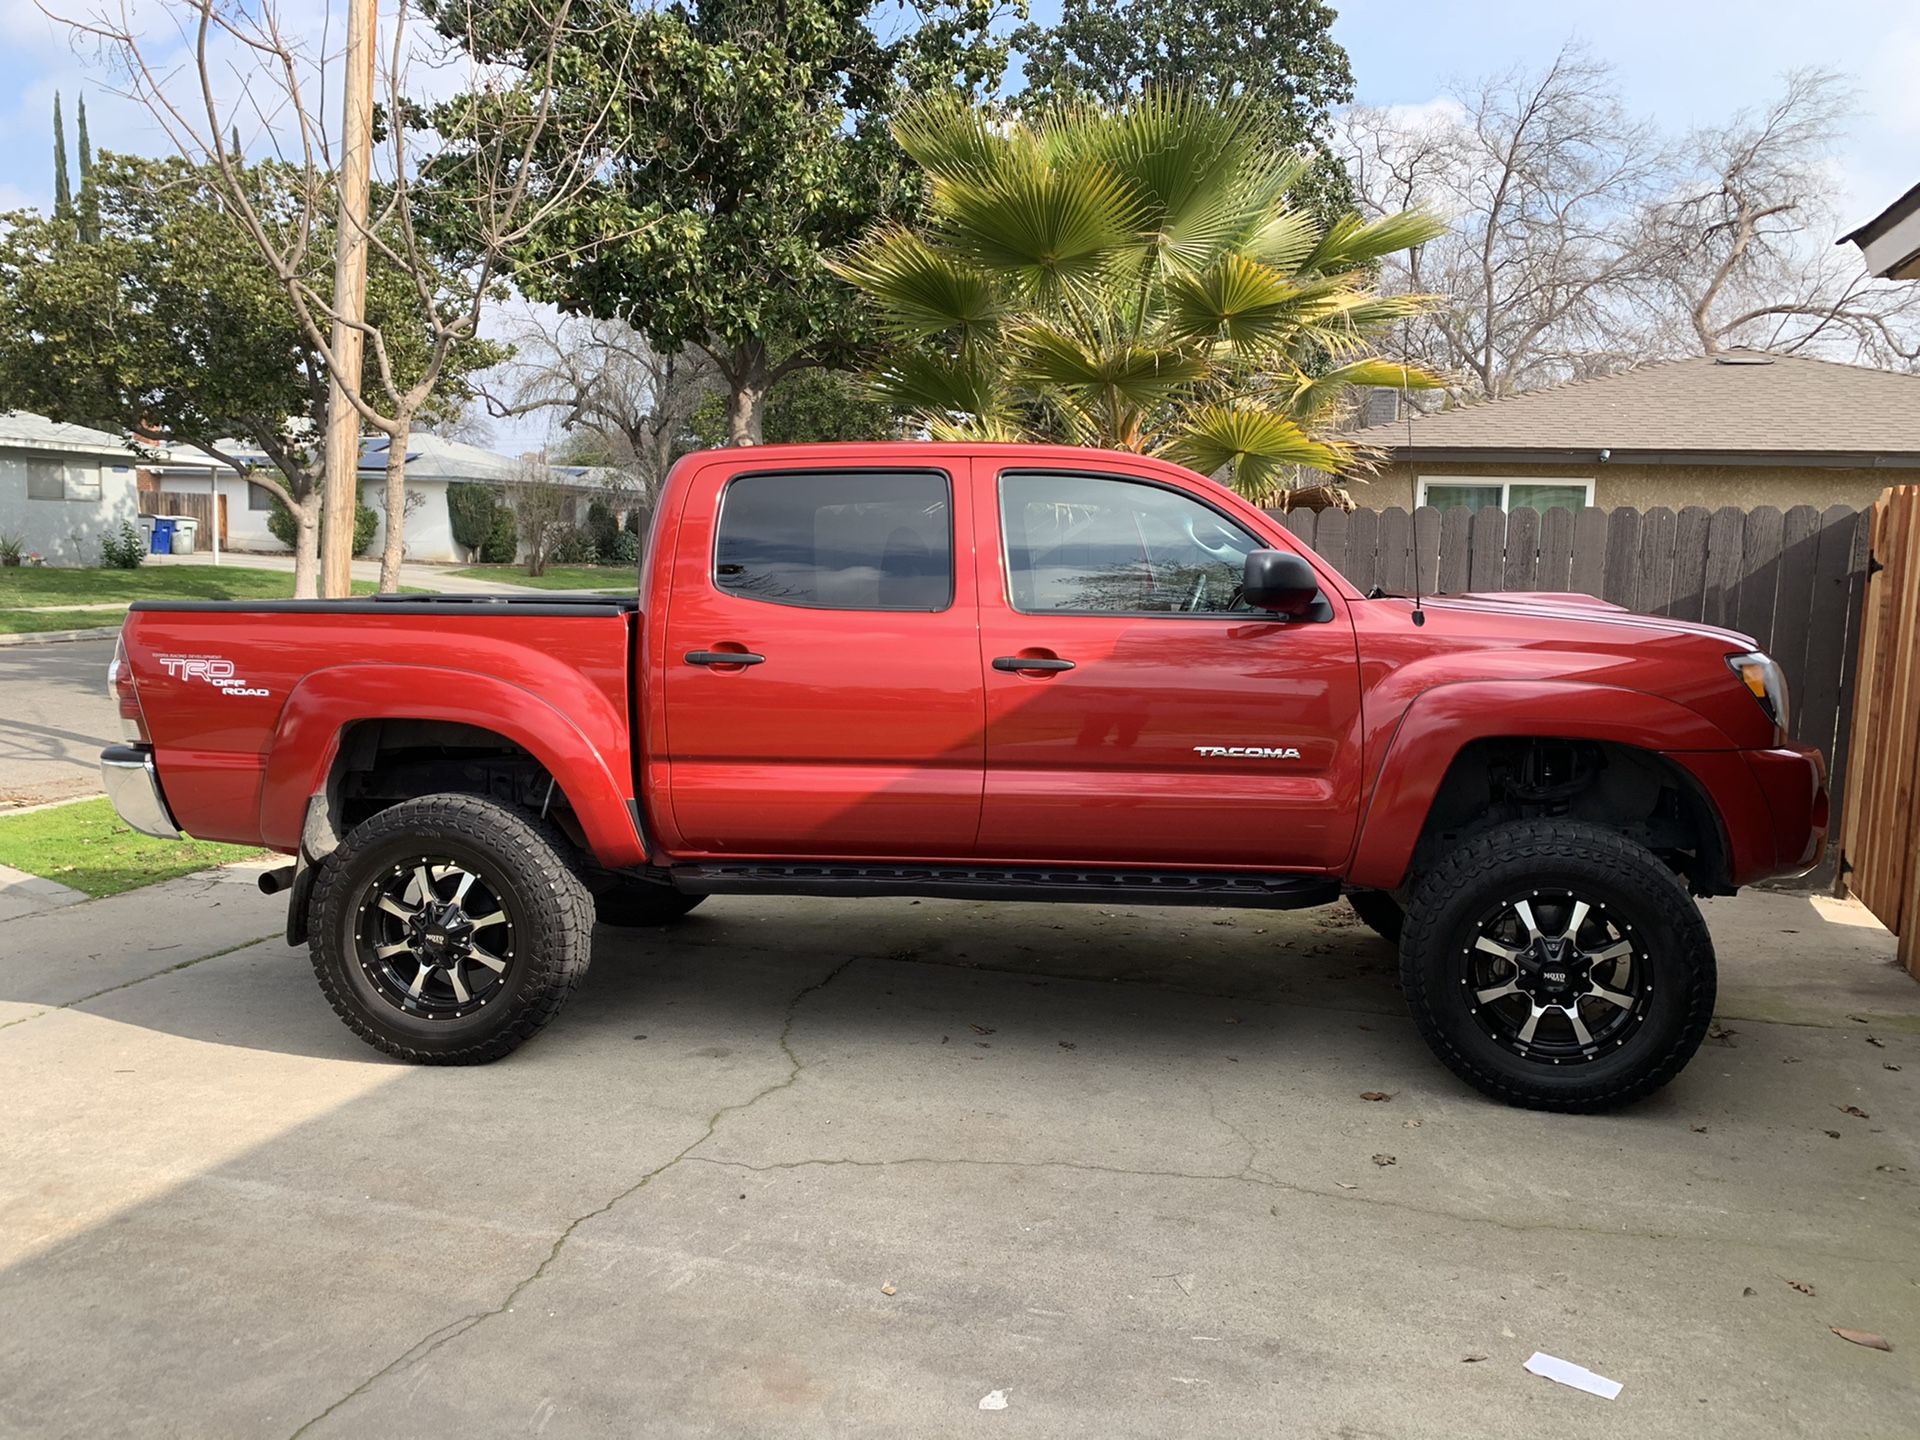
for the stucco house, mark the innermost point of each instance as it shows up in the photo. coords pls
(1741, 428)
(63, 487)
(1890, 242)
(433, 463)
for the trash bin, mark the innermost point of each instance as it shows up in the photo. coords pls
(186, 530)
(162, 536)
(146, 533)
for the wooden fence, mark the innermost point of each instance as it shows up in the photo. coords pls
(179, 502)
(1793, 581)
(1880, 832)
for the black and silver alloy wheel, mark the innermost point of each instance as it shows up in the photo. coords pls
(1556, 976)
(448, 929)
(1558, 965)
(434, 937)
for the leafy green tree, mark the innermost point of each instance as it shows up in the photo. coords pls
(170, 324)
(470, 514)
(89, 203)
(1279, 52)
(808, 407)
(748, 141)
(62, 191)
(1133, 278)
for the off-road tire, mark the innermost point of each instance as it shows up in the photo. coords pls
(638, 903)
(524, 858)
(1441, 923)
(1379, 912)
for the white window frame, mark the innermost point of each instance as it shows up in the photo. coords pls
(1505, 482)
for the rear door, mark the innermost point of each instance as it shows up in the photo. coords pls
(850, 724)
(1135, 713)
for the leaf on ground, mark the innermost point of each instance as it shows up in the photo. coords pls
(1412, 1124)
(1888, 1065)
(1831, 1134)
(981, 1029)
(1876, 1042)
(1853, 1110)
(1068, 1045)
(1800, 1285)
(1385, 1160)
(1699, 1129)
(1861, 1337)
(888, 1289)
(1345, 1186)
(1376, 1095)
(1720, 1035)
(1473, 1359)
(1748, 1293)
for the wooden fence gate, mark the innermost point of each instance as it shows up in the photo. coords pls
(1793, 581)
(1880, 830)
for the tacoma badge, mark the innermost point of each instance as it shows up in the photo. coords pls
(1247, 752)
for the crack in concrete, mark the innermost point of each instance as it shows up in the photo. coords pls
(421, 1349)
(173, 969)
(1250, 1176)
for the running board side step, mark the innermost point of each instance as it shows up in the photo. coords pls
(969, 882)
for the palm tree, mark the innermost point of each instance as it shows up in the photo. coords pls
(1134, 279)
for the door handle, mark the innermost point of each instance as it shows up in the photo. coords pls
(1022, 663)
(724, 657)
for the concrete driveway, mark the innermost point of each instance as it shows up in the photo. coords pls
(802, 1169)
(54, 718)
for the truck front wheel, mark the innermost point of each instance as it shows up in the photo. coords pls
(448, 929)
(1557, 965)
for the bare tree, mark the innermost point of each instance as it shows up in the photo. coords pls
(602, 377)
(1742, 245)
(1542, 175)
(448, 257)
(542, 512)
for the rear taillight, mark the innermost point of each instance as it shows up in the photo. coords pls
(120, 689)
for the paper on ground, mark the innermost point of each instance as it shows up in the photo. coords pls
(994, 1400)
(1552, 1367)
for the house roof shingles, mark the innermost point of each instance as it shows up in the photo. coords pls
(1738, 404)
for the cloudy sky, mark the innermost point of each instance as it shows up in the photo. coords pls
(1679, 62)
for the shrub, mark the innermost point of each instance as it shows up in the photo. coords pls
(473, 515)
(12, 546)
(281, 524)
(626, 549)
(573, 547)
(502, 545)
(603, 531)
(122, 549)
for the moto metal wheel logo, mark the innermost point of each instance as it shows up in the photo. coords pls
(208, 668)
(1247, 752)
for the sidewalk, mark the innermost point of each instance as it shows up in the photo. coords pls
(420, 577)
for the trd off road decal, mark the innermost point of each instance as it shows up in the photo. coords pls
(208, 668)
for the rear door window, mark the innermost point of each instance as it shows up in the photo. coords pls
(847, 540)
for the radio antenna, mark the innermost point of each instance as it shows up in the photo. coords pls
(1413, 527)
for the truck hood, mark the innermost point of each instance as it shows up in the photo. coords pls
(1552, 605)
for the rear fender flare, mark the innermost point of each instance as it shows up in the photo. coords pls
(306, 744)
(1444, 720)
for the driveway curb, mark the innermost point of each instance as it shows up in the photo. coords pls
(59, 637)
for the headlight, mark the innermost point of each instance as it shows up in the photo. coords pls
(1768, 684)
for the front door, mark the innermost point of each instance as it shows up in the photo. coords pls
(1136, 712)
(849, 726)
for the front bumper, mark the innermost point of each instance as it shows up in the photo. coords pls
(1772, 804)
(131, 782)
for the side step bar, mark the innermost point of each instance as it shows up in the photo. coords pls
(958, 882)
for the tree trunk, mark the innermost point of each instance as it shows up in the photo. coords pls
(306, 546)
(746, 409)
(395, 548)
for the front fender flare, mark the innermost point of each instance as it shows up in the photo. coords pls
(1441, 722)
(307, 741)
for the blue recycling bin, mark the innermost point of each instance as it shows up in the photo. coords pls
(162, 536)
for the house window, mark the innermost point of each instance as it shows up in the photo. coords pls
(1471, 492)
(259, 497)
(58, 480)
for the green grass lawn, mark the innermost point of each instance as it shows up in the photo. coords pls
(46, 587)
(621, 579)
(22, 622)
(86, 847)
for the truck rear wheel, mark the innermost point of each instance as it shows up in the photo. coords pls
(1557, 965)
(448, 929)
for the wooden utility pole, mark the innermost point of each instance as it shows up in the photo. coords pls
(341, 500)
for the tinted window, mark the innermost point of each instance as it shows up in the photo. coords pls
(1099, 546)
(843, 542)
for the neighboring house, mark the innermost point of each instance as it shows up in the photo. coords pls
(1741, 428)
(63, 487)
(433, 463)
(1890, 242)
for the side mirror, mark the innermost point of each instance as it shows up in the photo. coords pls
(1281, 581)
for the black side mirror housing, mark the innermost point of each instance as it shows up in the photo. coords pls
(1281, 581)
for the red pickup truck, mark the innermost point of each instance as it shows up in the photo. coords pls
(990, 672)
